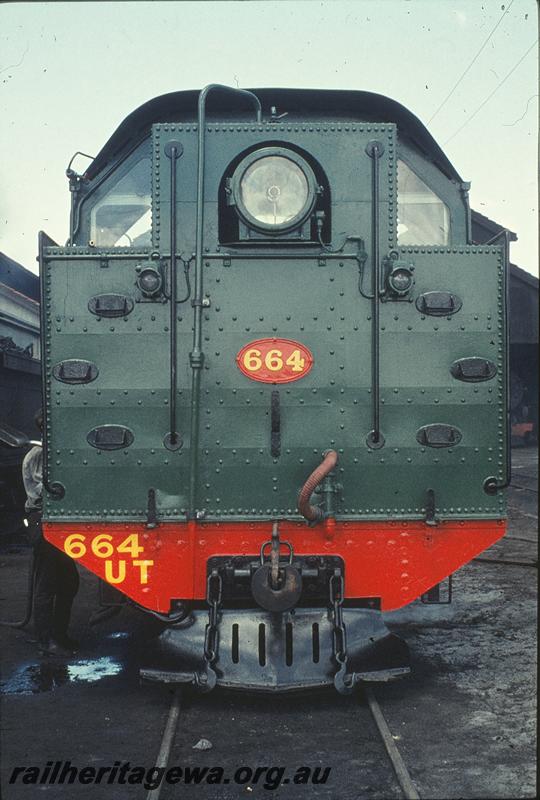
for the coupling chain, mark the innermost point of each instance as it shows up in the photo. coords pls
(214, 592)
(336, 588)
(274, 558)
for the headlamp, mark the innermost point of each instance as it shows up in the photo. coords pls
(400, 279)
(274, 190)
(149, 281)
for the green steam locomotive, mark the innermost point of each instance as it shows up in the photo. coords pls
(275, 381)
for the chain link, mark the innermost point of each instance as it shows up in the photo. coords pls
(274, 559)
(214, 590)
(276, 573)
(336, 588)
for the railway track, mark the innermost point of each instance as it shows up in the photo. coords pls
(521, 474)
(402, 774)
(522, 539)
(509, 562)
(402, 779)
(167, 740)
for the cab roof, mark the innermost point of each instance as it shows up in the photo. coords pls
(296, 103)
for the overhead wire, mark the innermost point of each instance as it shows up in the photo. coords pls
(453, 89)
(492, 93)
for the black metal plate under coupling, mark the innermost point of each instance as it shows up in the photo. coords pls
(237, 573)
(268, 652)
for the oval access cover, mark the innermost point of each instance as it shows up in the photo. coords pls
(274, 360)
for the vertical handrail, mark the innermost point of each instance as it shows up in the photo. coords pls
(196, 357)
(375, 149)
(376, 289)
(173, 326)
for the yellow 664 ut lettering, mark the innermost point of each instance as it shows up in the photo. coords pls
(101, 546)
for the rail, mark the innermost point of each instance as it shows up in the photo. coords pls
(166, 742)
(402, 774)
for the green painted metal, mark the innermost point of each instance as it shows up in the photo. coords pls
(302, 294)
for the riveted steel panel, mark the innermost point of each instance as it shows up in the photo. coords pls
(331, 406)
(131, 389)
(417, 352)
(306, 296)
(301, 294)
(348, 175)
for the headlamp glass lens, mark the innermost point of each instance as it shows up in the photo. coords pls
(149, 281)
(401, 280)
(274, 190)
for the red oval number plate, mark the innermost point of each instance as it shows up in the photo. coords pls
(274, 360)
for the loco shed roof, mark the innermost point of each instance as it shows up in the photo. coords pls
(297, 103)
(19, 278)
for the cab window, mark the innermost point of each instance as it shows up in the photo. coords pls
(122, 216)
(423, 218)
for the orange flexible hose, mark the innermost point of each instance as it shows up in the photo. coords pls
(309, 512)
